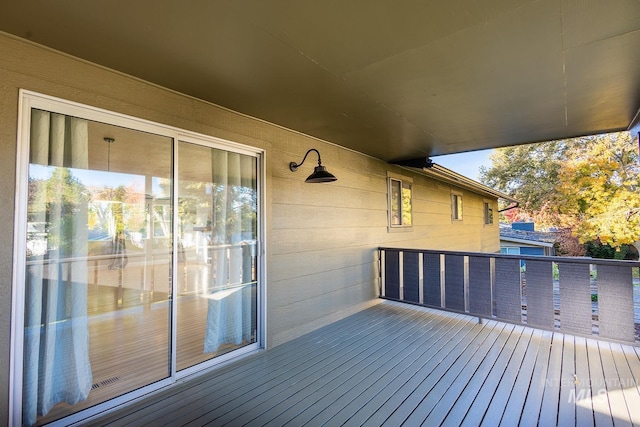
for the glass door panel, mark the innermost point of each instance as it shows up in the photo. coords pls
(98, 264)
(217, 235)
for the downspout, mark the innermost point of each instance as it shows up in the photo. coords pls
(508, 208)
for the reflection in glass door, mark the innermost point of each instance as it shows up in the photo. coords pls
(120, 225)
(217, 235)
(98, 264)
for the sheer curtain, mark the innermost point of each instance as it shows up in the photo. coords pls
(56, 341)
(230, 310)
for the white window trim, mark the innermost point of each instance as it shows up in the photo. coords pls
(26, 102)
(393, 228)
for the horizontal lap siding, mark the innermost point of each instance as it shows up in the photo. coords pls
(318, 229)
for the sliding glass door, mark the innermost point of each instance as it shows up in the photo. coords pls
(217, 236)
(139, 257)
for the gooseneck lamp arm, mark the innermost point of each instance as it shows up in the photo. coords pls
(293, 166)
(319, 174)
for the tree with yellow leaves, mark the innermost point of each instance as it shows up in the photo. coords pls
(589, 184)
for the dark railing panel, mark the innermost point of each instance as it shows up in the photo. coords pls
(454, 282)
(614, 307)
(539, 293)
(411, 276)
(521, 289)
(508, 289)
(392, 274)
(575, 298)
(480, 294)
(431, 279)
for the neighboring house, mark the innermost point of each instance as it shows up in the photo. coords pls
(520, 238)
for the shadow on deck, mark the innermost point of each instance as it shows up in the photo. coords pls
(395, 364)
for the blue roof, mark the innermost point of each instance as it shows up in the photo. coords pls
(532, 236)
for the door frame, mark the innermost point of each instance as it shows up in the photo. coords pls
(28, 100)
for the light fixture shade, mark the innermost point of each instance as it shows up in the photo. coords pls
(320, 174)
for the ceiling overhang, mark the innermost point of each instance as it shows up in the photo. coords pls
(392, 80)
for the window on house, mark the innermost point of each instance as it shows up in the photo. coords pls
(488, 213)
(456, 207)
(510, 250)
(400, 202)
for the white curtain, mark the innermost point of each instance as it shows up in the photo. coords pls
(230, 314)
(56, 341)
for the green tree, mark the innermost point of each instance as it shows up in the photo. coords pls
(528, 172)
(59, 203)
(588, 184)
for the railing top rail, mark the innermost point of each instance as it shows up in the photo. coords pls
(42, 259)
(574, 260)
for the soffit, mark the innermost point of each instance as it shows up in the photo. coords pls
(391, 79)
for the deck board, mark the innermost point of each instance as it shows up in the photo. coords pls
(312, 410)
(432, 397)
(537, 386)
(632, 382)
(613, 382)
(347, 368)
(567, 411)
(601, 411)
(475, 349)
(319, 407)
(515, 405)
(402, 387)
(453, 392)
(395, 364)
(263, 382)
(584, 411)
(491, 381)
(627, 384)
(433, 373)
(280, 359)
(497, 406)
(551, 396)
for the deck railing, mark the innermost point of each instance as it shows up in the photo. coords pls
(581, 296)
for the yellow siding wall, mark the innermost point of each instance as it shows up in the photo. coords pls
(321, 238)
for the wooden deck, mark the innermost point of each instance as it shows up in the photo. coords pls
(395, 364)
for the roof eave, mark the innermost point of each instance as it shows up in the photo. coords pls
(528, 242)
(443, 174)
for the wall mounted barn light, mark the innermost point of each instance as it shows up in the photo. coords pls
(319, 174)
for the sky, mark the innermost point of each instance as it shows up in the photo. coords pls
(467, 164)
